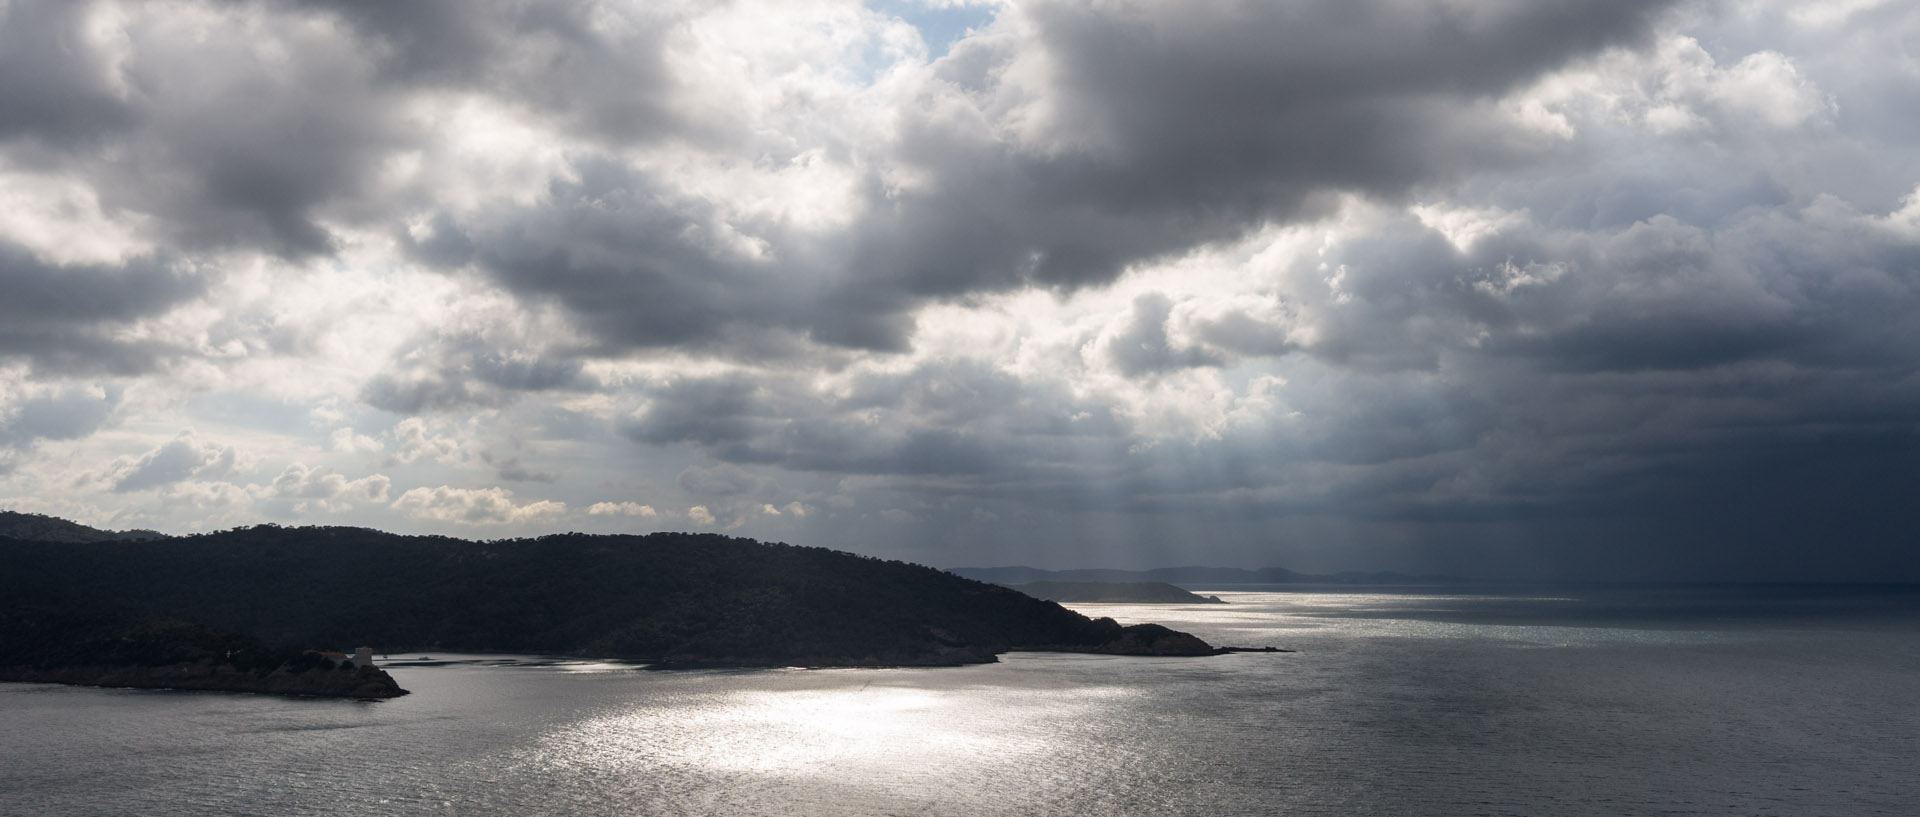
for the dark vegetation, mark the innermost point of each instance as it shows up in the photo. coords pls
(680, 599)
(45, 638)
(1114, 593)
(41, 528)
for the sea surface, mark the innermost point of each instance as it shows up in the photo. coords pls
(1658, 700)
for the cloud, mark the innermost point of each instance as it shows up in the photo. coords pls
(636, 263)
(1144, 347)
(1679, 89)
(33, 412)
(1388, 280)
(475, 506)
(710, 411)
(610, 58)
(1077, 154)
(622, 509)
(75, 319)
(1030, 155)
(416, 439)
(321, 489)
(54, 91)
(222, 498)
(349, 441)
(275, 122)
(722, 480)
(182, 458)
(513, 471)
(913, 422)
(462, 366)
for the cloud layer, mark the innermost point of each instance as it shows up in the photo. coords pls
(1562, 288)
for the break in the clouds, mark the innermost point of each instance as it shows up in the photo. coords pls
(1554, 288)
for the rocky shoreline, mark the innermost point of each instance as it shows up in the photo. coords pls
(363, 683)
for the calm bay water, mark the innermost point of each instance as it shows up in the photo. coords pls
(1655, 700)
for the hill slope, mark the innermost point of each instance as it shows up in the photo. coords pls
(684, 599)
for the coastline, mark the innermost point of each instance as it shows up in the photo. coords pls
(369, 683)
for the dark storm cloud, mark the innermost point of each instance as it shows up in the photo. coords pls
(1819, 285)
(252, 151)
(721, 480)
(1778, 285)
(1491, 305)
(512, 470)
(1249, 107)
(1657, 451)
(64, 318)
(51, 88)
(1647, 329)
(64, 412)
(1144, 348)
(462, 370)
(726, 413)
(637, 268)
(1615, 393)
(940, 419)
(223, 141)
(1173, 125)
(1558, 374)
(67, 413)
(555, 59)
(448, 40)
(257, 141)
(1214, 121)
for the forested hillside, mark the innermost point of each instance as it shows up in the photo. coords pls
(682, 599)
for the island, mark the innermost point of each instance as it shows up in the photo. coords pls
(676, 600)
(1113, 593)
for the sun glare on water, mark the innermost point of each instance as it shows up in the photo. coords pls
(849, 726)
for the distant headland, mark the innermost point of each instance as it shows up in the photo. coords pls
(1113, 593)
(672, 599)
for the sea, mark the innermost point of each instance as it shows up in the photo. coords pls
(1509, 700)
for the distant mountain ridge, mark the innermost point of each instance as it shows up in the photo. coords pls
(1193, 575)
(42, 528)
(1113, 593)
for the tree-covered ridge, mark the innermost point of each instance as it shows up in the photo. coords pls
(683, 599)
(42, 528)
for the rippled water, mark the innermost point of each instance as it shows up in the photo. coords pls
(1643, 701)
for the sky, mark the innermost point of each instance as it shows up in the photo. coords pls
(1620, 289)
